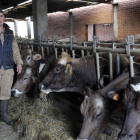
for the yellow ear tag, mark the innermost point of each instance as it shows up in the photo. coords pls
(116, 97)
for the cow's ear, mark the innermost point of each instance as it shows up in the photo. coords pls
(37, 57)
(115, 93)
(83, 105)
(68, 69)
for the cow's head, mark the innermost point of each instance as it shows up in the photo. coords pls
(131, 100)
(60, 78)
(96, 109)
(27, 78)
(24, 82)
(29, 57)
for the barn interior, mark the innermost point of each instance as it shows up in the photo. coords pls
(57, 116)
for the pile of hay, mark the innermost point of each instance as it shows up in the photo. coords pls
(39, 119)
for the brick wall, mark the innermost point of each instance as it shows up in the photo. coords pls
(58, 23)
(128, 18)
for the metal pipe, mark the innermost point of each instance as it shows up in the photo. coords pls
(48, 50)
(56, 56)
(110, 67)
(98, 68)
(32, 47)
(118, 65)
(89, 48)
(73, 53)
(131, 66)
(42, 52)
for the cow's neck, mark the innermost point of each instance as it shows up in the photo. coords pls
(84, 71)
(120, 82)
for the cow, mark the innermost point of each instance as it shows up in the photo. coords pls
(131, 100)
(31, 76)
(97, 107)
(90, 124)
(74, 74)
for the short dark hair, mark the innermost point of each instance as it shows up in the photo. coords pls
(2, 12)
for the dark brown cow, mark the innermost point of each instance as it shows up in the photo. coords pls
(74, 74)
(131, 100)
(89, 125)
(97, 107)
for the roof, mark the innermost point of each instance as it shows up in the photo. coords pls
(20, 11)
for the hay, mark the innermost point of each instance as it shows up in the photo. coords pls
(39, 119)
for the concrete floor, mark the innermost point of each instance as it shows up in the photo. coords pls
(7, 132)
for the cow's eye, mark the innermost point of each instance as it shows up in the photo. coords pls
(56, 70)
(25, 79)
(28, 58)
(98, 115)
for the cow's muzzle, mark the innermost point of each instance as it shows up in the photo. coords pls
(85, 139)
(15, 92)
(127, 137)
(41, 86)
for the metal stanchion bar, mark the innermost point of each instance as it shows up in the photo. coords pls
(73, 53)
(98, 68)
(118, 65)
(32, 47)
(56, 56)
(82, 51)
(48, 50)
(42, 52)
(131, 66)
(110, 67)
(89, 48)
(62, 49)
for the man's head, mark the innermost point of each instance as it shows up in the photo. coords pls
(2, 18)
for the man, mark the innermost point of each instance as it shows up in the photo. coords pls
(9, 54)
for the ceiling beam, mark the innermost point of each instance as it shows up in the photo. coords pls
(90, 0)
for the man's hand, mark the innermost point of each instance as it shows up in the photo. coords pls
(19, 69)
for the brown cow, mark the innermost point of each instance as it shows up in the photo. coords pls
(74, 74)
(31, 76)
(97, 107)
(131, 100)
(89, 103)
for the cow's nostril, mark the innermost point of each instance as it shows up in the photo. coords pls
(121, 136)
(127, 137)
(41, 86)
(132, 137)
(13, 93)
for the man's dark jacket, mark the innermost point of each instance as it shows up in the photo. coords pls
(6, 52)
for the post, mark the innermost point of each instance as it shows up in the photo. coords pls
(115, 20)
(40, 21)
(16, 28)
(71, 22)
(28, 20)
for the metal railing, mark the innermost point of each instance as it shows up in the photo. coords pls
(127, 47)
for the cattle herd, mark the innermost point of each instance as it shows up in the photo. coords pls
(78, 75)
